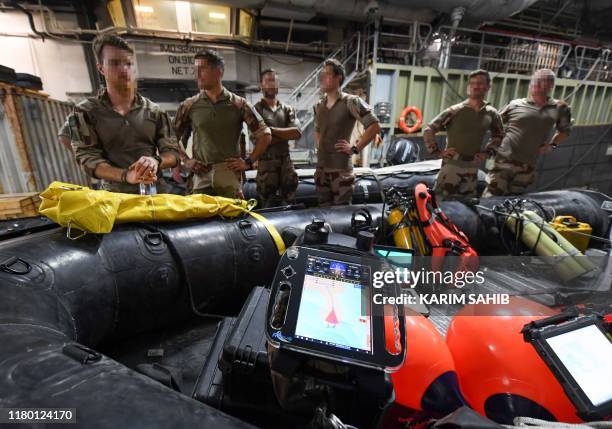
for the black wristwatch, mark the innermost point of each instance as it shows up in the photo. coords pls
(355, 150)
(249, 162)
(158, 159)
(554, 145)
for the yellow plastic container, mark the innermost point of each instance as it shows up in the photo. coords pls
(567, 226)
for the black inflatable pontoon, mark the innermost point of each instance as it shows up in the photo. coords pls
(61, 299)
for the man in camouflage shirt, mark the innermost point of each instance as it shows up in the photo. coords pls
(465, 124)
(334, 118)
(64, 134)
(276, 178)
(120, 136)
(215, 117)
(528, 123)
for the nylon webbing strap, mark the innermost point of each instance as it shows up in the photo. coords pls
(278, 240)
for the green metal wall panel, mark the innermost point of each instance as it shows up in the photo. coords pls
(434, 97)
(425, 88)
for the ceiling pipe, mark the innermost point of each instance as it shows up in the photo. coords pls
(356, 10)
(15, 5)
(457, 15)
(268, 23)
(477, 11)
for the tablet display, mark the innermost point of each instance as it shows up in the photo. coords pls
(586, 353)
(321, 304)
(333, 306)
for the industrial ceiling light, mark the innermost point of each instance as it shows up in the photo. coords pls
(183, 16)
(216, 15)
(182, 7)
(144, 9)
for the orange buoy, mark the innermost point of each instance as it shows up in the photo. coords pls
(427, 380)
(419, 119)
(500, 375)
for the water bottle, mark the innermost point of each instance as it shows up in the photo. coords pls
(148, 189)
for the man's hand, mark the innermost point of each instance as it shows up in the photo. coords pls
(196, 167)
(448, 153)
(65, 141)
(138, 175)
(147, 162)
(237, 164)
(545, 148)
(143, 171)
(479, 157)
(343, 146)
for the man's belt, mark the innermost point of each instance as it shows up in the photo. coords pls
(273, 157)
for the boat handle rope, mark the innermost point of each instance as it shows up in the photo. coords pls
(69, 232)
(13, 260)
(154, 238)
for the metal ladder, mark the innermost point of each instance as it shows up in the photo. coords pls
(307, 93)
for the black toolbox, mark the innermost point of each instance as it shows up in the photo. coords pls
(236, 375)
(209, 385)
(244, 360)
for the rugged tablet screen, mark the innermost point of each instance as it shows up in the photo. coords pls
(334, 307)
(586, 353)
(321, 303)
(578, 350)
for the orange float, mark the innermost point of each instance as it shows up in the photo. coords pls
(500, 375)
(402, 120)
(427, 380)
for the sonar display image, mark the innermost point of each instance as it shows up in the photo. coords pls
(331, 313)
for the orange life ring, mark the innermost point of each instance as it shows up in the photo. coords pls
(402, 120)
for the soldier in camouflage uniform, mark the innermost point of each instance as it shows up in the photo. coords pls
(334, 117)
(276, 177)
(465, 124)
(528, 122)
(64, 135)
(215, 117)
(120, 136)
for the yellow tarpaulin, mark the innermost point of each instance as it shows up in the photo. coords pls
(97, 211)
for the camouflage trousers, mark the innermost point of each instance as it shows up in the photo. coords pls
(456, 179)
(276, 181)
(219, 181)
(508, 177)
(334, 187)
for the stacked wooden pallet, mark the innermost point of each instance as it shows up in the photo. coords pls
(14, 206)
